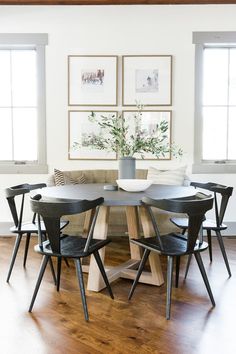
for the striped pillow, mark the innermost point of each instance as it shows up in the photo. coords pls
(61, 178)
(171, 177)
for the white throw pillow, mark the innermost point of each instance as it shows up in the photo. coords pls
(173, 177)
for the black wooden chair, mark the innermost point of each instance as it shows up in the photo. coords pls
(175, 245)
(20, 227)
(74, 247)
(221, 194)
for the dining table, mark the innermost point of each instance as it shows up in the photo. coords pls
(136, 215)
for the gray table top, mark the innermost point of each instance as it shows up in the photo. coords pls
(116, 198)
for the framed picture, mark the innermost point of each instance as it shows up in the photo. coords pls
(147, 123)
(82, 133)
(92, 80)
(146, 80)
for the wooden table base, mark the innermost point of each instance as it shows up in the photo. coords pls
(128, 269)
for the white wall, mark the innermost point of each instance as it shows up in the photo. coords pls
(117, 30)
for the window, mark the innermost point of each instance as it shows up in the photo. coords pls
(215, 102)
(22, 103)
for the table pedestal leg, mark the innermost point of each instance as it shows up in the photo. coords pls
(154, 259)
(88, 221)
(95, 281)
(128, 269)
(154, 277)
(133, 230)
(87, 224)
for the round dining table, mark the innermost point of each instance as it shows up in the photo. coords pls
(136, 214)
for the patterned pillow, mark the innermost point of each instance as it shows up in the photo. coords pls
(171, 177)
(61, 178)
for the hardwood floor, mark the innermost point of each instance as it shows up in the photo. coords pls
(117, 326)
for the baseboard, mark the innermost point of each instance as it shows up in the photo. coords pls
(231, 230)
(5, 227)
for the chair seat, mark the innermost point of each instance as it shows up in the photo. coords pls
(29, 227)
(211, 225)
(72, 247)
(173, 244)
(207, 224)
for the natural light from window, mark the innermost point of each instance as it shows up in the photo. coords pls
(18, 105)
(219, 104)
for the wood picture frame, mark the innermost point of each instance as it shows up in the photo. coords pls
(92, 80)
(149, 121)
(80, 130)
(147, 79)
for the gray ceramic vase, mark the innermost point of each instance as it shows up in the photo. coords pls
(127, 167)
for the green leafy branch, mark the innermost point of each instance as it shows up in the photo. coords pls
(115, 136)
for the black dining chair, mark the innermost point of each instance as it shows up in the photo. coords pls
(175, 245)
(221, 198)
(20, 226)
(59, 245)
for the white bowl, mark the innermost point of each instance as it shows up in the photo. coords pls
(134, 185)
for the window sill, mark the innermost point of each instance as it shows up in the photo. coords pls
(23, 169)
(209, 168)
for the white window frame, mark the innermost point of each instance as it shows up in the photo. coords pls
(201, 40)
(37, 41)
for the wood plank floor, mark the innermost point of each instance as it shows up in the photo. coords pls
(117, 326)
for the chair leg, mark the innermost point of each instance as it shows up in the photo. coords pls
(204, 276)
(52, 271)
(170, 266)
(27, 241)
(139, 272)
(82, 289)
(209, 244)
(40, 277)
(14, 254)
(183, 232)
(103, 272)
(177, 266)
(58, 272)
(187, 266)
(222, 247)
(44, 234)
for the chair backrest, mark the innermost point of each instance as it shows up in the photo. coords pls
(195, 207)
(20, 190)
(51, 212)
(223, 192)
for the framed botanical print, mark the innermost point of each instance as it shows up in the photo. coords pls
(150, 126)
(146, 80)
(92, 80)
(84, 135)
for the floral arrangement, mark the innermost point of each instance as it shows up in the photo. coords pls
(117, 136)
